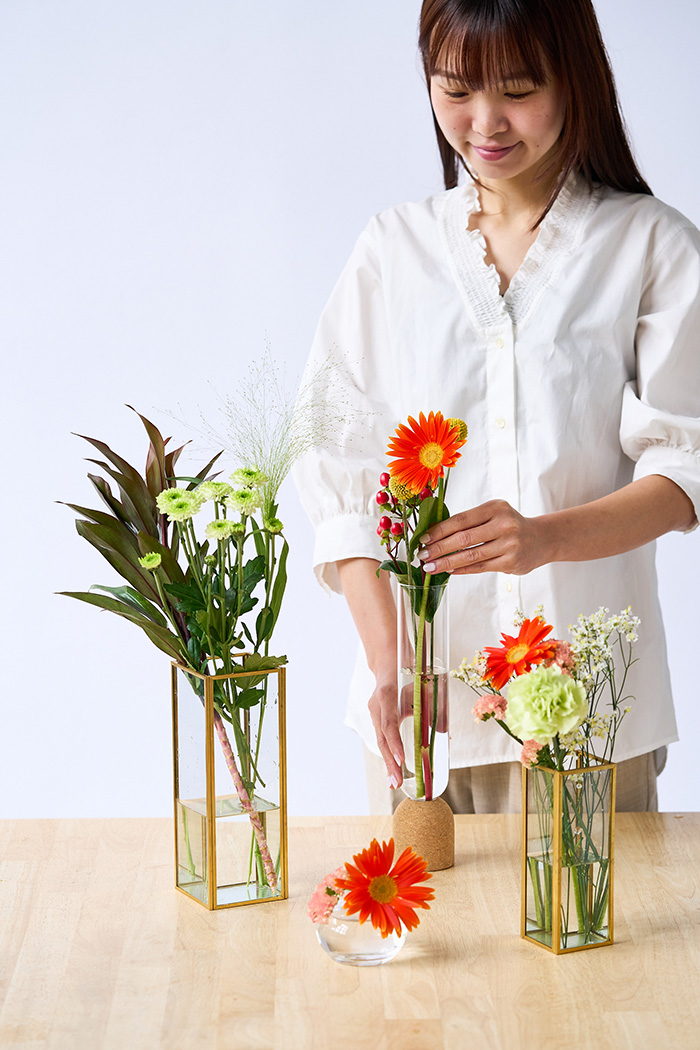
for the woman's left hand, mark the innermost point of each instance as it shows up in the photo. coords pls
(490, 538)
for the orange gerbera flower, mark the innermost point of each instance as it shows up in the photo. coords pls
(423, 449)
(517, 655)
(388, 896)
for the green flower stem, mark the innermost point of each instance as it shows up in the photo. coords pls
(417, 713)
(533, 865)
(185, 828)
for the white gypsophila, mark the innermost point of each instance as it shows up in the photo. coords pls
(472, 672)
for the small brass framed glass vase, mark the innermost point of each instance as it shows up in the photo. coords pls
(229, 775)
(567, 857)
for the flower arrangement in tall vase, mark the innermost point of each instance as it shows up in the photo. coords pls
(412, 499)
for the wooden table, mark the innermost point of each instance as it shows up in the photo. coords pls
(99, 952)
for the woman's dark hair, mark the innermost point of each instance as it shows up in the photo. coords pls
(488, 41)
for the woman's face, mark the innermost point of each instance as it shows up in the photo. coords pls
(503, 132)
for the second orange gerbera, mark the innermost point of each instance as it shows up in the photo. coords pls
(387, 895)
(423, 450)
(518, 654)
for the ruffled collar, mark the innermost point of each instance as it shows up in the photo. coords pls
(559, 234)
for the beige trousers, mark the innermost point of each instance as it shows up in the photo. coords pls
(497, 788)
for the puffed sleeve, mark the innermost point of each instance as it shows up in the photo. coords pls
(660, 424)
(351, 353)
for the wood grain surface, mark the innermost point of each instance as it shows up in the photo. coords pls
(99, 952)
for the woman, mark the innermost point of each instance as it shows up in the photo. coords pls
(552, 303)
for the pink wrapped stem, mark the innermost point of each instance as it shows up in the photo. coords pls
(247, 805)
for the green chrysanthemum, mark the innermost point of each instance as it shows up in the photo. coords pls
(249, 477)
(273, 525)
(402, 492)
(178, 504)
(245, 501)
(222, 530)
(150, 561)
(216, 490)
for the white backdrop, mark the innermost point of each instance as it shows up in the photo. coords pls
(182, 180)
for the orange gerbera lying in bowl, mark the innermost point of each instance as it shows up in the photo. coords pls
(386, 895)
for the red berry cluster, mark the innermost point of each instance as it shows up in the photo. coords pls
(391, 524)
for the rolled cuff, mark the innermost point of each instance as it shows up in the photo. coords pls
(345, 536)
(679, 465)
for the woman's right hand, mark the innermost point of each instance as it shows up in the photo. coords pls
(384, 712)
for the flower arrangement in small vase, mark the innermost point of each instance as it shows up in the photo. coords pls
(564, 706)
(411, 500)
(372, 888)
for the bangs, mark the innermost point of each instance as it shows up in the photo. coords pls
(485, 44)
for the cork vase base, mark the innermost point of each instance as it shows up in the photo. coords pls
(429, 829)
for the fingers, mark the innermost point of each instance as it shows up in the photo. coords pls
(478, 558)
(491, 538)
(383, 709)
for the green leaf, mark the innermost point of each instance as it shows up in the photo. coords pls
(136, 499)
(278, 587)
(121, 553)
(258, 662)
(110, 499)
(429, 514)
(189, 596)
(98, 516)
(249, 697)
(397, 568)
(162, 638)
(156, 478)
(134, 600)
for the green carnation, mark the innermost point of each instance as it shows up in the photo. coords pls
(545, 702)
(222, 530)
(150, 561)
(216, 490)
(249, 477)
(178, 504)
(245, 501)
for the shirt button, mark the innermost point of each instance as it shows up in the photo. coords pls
(509, 586)
(501, 423)
(500, 342)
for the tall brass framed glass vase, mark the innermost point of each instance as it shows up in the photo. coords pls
(229, 777)
(568, 837)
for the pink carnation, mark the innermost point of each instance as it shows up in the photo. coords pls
(529, 753)
(325, 897)
(564, 657)
(489, 707)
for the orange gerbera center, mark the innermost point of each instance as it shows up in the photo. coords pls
(431, 455)
(382, 889)
(516, 653)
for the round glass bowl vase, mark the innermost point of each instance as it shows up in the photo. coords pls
(357, 944)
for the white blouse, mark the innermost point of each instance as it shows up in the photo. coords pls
(584, 376)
